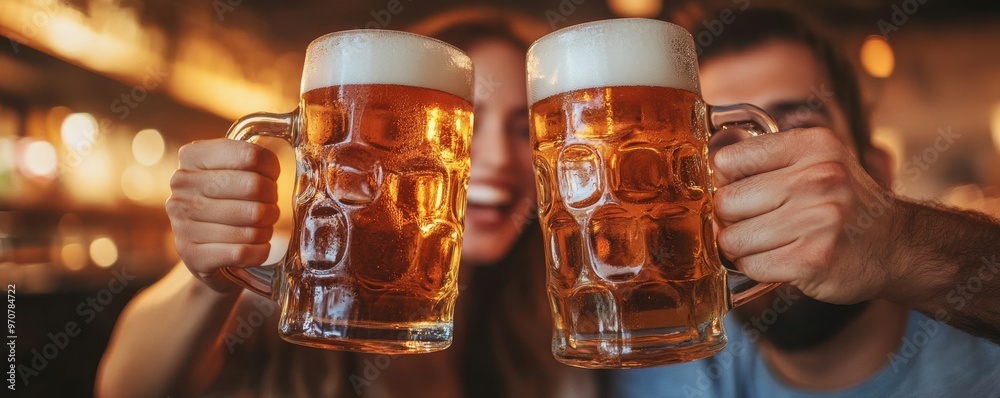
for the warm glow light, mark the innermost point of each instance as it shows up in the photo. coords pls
(69, 34)
(106, 36)
(877, 57)
(74, 256)
(7, 145)
(147, 147)
(995, 125)
(79, 131)
(39, 159)
(103, 252)
(636, 8)
(891, 141)
(137, 183)
(92, 176)
(204, 75)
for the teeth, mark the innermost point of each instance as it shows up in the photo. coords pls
(486, 195)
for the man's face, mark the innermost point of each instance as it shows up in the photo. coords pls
(788, 82)
(784, 79)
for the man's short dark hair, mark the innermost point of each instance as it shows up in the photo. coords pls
(757, 26)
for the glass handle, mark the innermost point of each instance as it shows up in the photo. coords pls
(261, 279)
(743, 116)
(755, 121)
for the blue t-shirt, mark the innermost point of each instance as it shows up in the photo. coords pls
(934, 360)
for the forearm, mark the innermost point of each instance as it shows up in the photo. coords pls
(166, 332)
(950, 266)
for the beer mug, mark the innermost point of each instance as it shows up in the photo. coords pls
(619, 132)
(381, 138)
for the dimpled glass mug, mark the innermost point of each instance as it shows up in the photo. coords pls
(620, 135)
(381, 138)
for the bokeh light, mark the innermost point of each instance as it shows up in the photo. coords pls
(137, 183)
(877, 57)
(38, 159)
(92, 177)
(636, 8)
(103, 252)
(74, 256)
(79, 131)
(147, 147)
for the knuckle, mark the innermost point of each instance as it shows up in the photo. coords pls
(725, 158)
(729, 242)
(176, 208)
(252, 156)
(259, 235)
(258, 212)
(256, 185)
(261, 213)
(755, 269)
(724, 201)
(247, 255)
(213, 184)
(186, 154)
(179, 179)
(843, 197)
(749, 267)
(239, 254)
(820, 255)
(186, 252)
(833, 213)
(171, 205)
(251, 185)
(827, 174)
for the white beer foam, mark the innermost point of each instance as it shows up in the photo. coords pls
(370, 56)
(616, 52)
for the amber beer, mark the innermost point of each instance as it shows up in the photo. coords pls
(382, 147)
(620, 137)
(393, 192)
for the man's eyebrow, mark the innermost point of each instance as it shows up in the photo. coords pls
(791, 107)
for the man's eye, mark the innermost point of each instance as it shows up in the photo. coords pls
(795, 120)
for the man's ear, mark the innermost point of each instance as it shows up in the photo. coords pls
(878, 163)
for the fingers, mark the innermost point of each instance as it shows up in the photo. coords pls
(202, 232)
(224, 184)
(726, 137)
(805, 263)
(771, 266)
(226, 154)
(209, 257)
(777, 229)
(769, 152)
(750, 197)
(223, 206)
(753, 196)
(240, 213)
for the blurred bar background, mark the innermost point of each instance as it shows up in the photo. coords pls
(96, 96)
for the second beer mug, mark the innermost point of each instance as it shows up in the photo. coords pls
(381, 138)
(620, 137)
